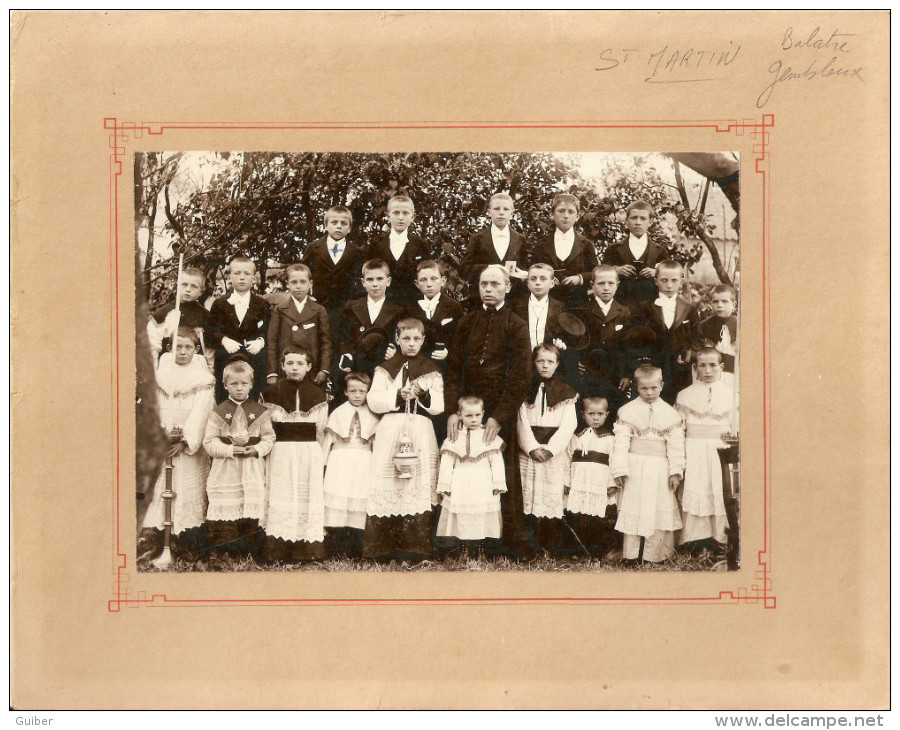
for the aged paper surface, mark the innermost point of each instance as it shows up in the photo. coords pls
(801, 96)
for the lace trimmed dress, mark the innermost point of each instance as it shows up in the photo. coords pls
(399, 510)
(236, 487)
(706, 411)
(470, 472)
(347, 450)
(591, 487)
(649, 447)
(185, 394)
(296, 503)
(547, 420)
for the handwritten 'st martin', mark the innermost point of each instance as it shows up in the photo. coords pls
(817, 67)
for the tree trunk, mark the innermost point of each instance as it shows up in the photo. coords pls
(716, 259)
(682, 193)
(718, 167)
(150, 438)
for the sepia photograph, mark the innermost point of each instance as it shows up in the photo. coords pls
(437, 361)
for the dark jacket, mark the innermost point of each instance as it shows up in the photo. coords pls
(490, 357)
(334, 284)
(310, 329)
(403, 270)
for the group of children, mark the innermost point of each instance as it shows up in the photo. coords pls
(318, 426)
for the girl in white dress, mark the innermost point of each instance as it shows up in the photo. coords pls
(471, 478)
(547, 420)
(347, 450)
(407, 388)
(185, 393)
(706, 408)
(648, 463)
(591, 493)
(295, 510)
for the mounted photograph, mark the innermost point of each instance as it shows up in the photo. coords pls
(437, 361)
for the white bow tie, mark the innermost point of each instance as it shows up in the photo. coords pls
(236, 298)
(666, 302)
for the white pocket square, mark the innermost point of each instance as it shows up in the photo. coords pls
(619, 326)
(309, 325)
(446, 320)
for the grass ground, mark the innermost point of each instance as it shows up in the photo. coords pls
(185, 562)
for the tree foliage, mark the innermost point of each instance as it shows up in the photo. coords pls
(270, 205)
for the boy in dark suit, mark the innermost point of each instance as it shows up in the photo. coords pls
(239, 322)
(440, 313)
(672, 319)
(402, 250)
(299, 321)
(606, 321)
(635, 259)
(720, 330)
(193, 314)
(364, 314)
(538, 309)
(498, 244)
(571, 255)
(334, 262)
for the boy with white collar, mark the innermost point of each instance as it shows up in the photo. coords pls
(673, 319)
(298, 320)
(402, 250)
(635, 259)
(539, 309)
(334, 262)
(571, 255)
(239, 323)
(440, 313)
(498, 244)
(362, 314)
(606, 320)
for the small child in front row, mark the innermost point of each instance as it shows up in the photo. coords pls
(295, 513)
(471, 478)
(185, 392)
(647, 464)
(591, 492)
(347, 451)
(408, 389)
(547, 421)
(706, 407)
(238, 437)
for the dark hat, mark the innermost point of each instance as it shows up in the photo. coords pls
(571, 331)
(239, 356)
(371, 345)
(599, 362)
(639, 339)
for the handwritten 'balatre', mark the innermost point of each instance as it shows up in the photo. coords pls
(824, 65)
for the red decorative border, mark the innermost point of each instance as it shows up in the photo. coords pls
(120, 133)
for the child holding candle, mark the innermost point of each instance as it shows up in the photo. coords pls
(185, 393)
